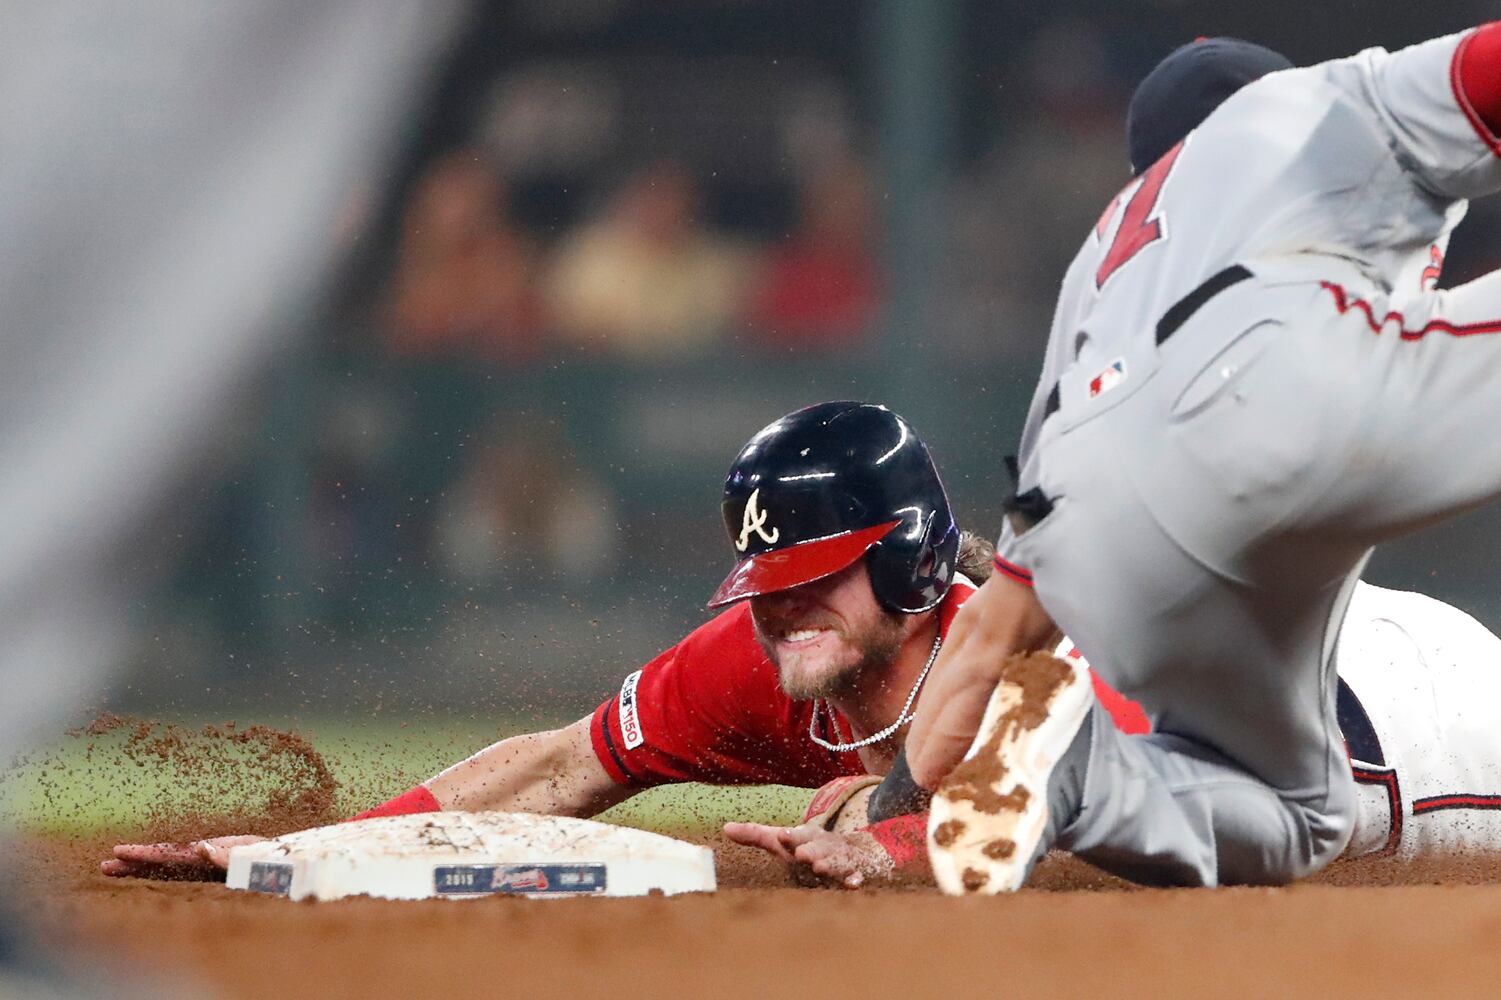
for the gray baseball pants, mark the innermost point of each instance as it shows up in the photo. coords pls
(1210, 518)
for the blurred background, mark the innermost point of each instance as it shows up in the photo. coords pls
(613, 239)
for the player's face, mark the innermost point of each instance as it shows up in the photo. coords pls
(824, 635)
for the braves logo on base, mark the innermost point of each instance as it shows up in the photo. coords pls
(528, 880)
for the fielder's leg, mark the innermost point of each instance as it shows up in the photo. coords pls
(1176, 558)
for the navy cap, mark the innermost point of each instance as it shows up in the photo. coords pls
(1186, 87)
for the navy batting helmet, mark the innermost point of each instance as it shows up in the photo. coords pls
(1186, 87)
(821, 487)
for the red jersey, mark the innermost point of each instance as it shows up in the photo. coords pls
(710, 709)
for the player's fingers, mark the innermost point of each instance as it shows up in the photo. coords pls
(749, 834)
(758, 835)
(218, 857)
(813, 851)
(825, 859)
(836, 867)
(794, 837)
(157, 854)
(215, 850)
(175, 870)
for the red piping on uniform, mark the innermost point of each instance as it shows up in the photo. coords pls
(1388, 781)
(1434, 803)
(1475, 76)
(1015, 572)
(1344, 303)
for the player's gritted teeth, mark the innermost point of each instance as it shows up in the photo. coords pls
(810, 644)
(797, 630)
(823, 635)
(804, 639)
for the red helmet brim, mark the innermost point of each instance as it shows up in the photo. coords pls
(782, 569)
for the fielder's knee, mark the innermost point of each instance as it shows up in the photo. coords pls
(1330, 827)
(1317, 834)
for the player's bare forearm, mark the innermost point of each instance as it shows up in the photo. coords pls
(554, 773)
(1002, 618)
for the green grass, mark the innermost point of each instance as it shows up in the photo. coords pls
(84, 785)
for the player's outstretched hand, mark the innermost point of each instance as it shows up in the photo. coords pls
(201, 859)
(847, 859)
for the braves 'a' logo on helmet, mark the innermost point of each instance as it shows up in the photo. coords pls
(755, 521)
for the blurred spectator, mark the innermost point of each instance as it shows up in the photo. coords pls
(465, 282)
(647, 279)
(1019, 216)
(526, 504)
(818, 288)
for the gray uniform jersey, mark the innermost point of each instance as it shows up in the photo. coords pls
(1219, 472)
(1369, 159)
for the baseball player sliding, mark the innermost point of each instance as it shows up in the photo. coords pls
(850, 571)
(1249, 383)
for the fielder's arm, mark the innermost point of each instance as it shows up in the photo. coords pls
(1002, 618)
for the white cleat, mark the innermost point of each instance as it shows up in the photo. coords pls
(989, 816)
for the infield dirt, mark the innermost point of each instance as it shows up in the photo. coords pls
(1077, 933)
(1364, 928)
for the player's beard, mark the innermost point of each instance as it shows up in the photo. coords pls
(874, 648)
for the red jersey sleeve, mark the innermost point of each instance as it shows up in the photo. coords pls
(709, 709)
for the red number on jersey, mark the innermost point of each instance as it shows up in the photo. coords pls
(1139, 228)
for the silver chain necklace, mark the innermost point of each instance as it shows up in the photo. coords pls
(901, 720)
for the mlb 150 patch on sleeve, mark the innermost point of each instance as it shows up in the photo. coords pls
(630, 716)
